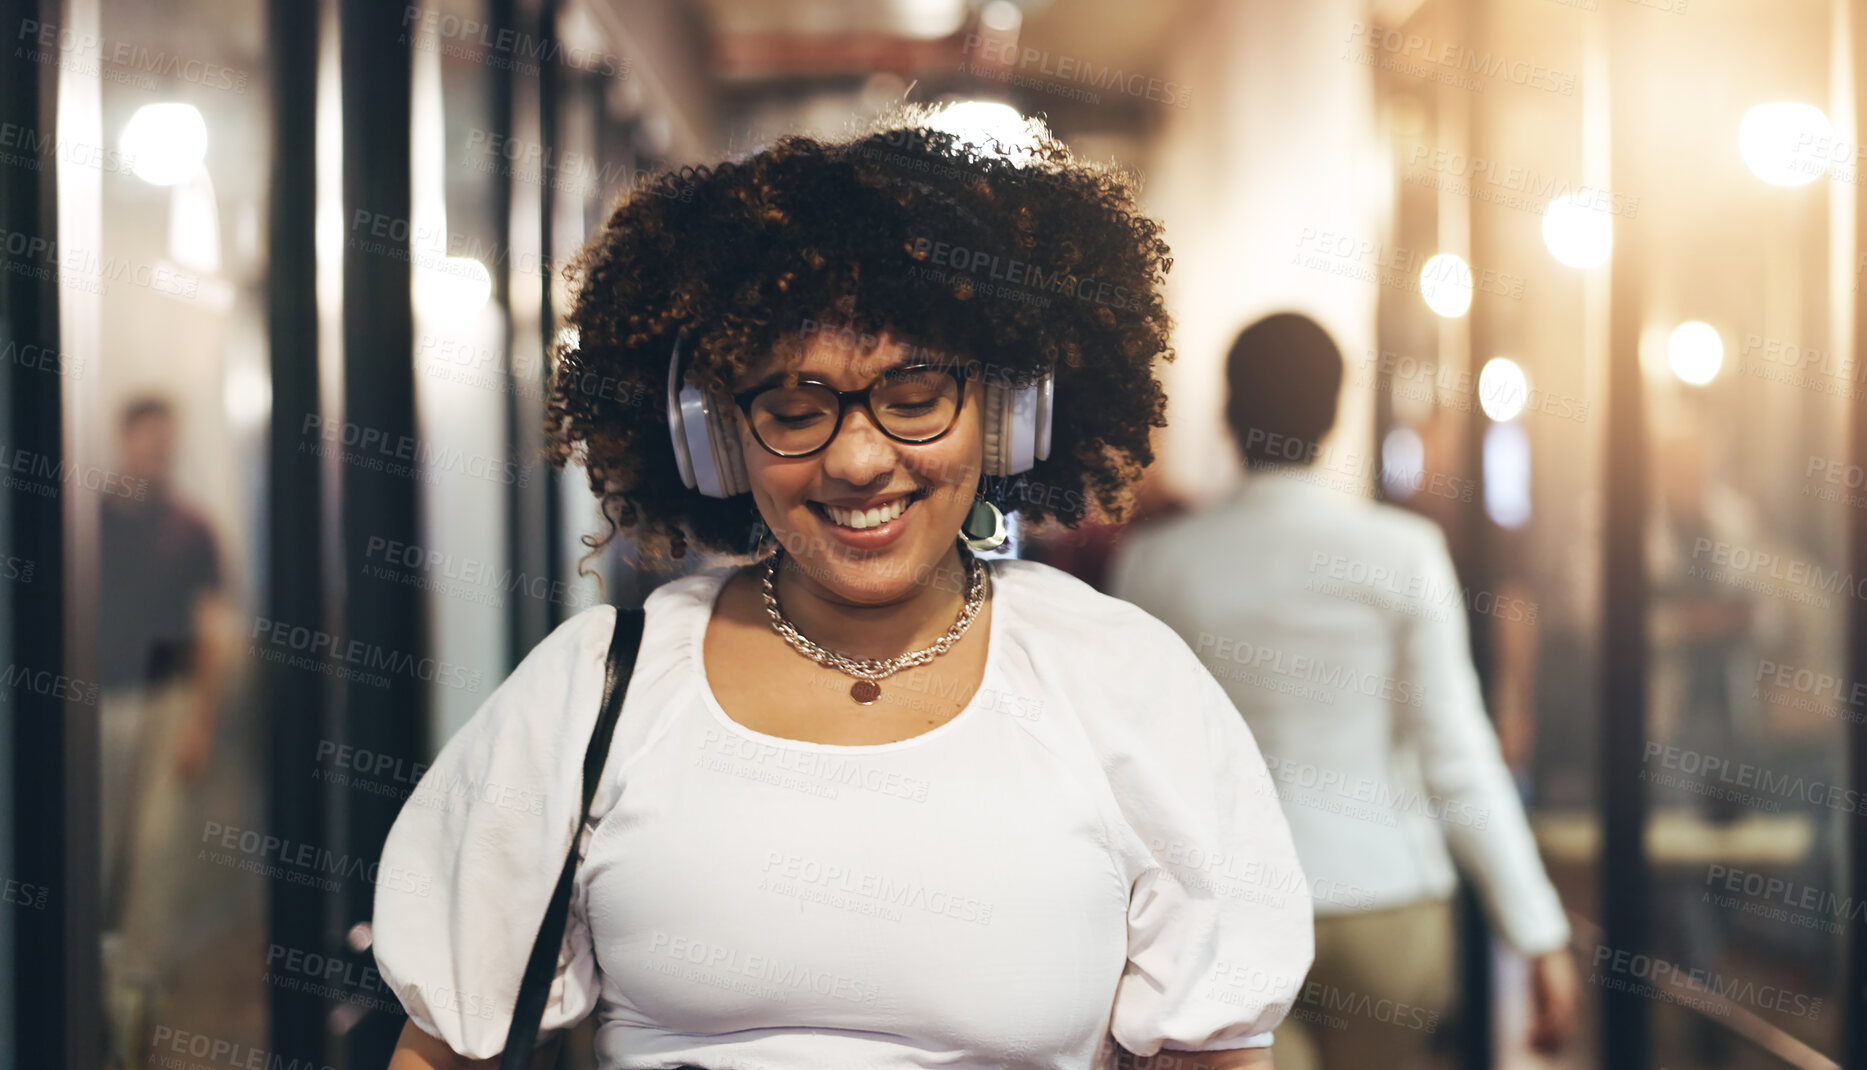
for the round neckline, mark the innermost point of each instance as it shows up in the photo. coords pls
(987, 679)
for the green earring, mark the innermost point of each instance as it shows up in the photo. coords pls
(984, 528)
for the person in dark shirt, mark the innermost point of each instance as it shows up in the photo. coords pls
(160, 655)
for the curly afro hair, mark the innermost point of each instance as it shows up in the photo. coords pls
(1017, 257)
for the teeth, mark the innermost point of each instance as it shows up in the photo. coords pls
(867, 518)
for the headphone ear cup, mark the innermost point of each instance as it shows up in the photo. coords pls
(1046, 406)
(724, 432)
(992, 425)
(677, 421)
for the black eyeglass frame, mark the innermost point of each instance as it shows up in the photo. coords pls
(744, 400)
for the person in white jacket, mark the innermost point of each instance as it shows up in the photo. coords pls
(1337, 626)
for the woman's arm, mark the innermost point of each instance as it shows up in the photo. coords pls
(416, 1050)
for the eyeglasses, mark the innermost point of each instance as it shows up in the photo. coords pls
(913, 404)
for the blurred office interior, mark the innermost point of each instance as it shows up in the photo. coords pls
(1594, 267)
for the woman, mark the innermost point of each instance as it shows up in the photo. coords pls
(871, 801)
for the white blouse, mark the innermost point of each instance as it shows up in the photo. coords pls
(1091, 848)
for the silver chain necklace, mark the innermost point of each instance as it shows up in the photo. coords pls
(868, 670)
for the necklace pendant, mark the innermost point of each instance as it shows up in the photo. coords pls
(865, 691)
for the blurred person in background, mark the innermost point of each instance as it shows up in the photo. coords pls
(161, 652)
(1337, 626)
(1708, 629)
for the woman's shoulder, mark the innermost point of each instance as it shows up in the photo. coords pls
(1110, 645)
(1051, 599)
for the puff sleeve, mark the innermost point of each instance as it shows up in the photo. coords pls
(1220, 931)
(483, 838)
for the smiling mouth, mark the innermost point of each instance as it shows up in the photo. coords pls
(861, 519)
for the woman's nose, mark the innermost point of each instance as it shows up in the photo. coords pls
(859, 452)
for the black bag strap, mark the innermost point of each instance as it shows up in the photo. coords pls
(542, 966)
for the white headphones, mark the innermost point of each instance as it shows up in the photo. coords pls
(1016, 423)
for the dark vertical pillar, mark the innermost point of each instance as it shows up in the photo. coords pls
(1478, 571)
(383, 633)
(1623, 710)
(292, 700)
(550, 76)
(1854, 987)
(53, 749)
(501, 16)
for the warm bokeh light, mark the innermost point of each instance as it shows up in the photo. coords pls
(1782, 142)
(454, 290)
(1403, 462)
(1695, 352)
(165, 143)
(982, 122)
(1001, 16)
(1578, 235)
(1502, 389)
(1446, 283)
(1507, 475)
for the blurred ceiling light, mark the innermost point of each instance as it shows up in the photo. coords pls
(1446, 283)
(1507, 475)
(1695, 352)
(452, 291)
(1001, 16)
(1782, 142)
(982, 122)
(1502, 389)
(165, 143)
(246, 394)
(1577, 234)
(1403, 462)
(194, 224)
(930, 18)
